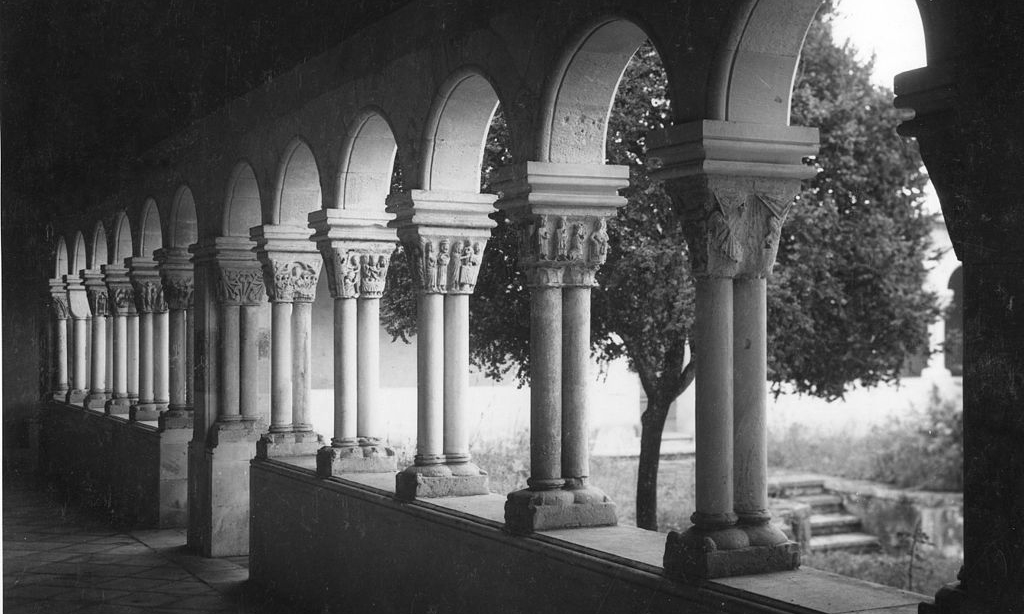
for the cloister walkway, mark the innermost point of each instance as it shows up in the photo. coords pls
(59, 558)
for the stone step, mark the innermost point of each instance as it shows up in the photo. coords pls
(824, 503)
(831, 524)
(851, 542)
(795, 485)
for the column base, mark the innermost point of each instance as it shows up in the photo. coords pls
(175, 419)
(117, 407)
(145, 412)
(432, 481)
(294, 443)
(528, 510)
(96, 400)
(332, 461)
(737, 550)
(59, 395)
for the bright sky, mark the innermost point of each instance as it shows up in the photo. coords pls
(889, 28)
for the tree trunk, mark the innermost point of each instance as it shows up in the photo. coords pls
(652, 425)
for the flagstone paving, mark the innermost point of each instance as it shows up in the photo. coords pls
(57, 559)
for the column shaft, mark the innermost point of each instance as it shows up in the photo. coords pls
(133, 356)
(368, 369)
(575, 370)
(145, 357)
(60, 345)
(79, 326)
(456, 378)
(281, 368)
(190, 353)
(430, 375)
(229, 384)
(120, 351)
(248, 374)
(545, 388)
(302, 357)
(177, 351)
(108, 370)
(99, 354)
(345, 373)
(714, 402)
(161, 356)
(750, 365)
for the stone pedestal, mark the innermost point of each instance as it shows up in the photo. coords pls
(528, 510)
(428, 481)
(296, 443)
(334, 461)
(697, 554)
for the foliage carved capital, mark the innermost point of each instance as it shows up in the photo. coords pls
(240, 285)
(59, 302)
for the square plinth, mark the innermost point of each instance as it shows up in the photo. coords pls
(333, 461)
(296, 443)
(411, 485)
(690, 557)
(527, 511)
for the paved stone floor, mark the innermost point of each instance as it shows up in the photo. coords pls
(58, 559)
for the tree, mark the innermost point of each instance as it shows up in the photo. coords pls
(846, 302)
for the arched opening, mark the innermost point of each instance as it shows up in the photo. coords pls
(183, 229)
(456, 133)
(99, 247)
(368, 164)
(122, 239)
(242, 202)
(298, 192)
(61, 261)
(78, 258)
(580, 97)
(150, 234)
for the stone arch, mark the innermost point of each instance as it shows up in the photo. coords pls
(241, 203)
(150, 233)
(456, 132)
(98, 254)
(367, 163)
(61, 262)
(298, 186)
(183, 229)
(579, 97)
(122, 239)
(754, 68)
(78, 256)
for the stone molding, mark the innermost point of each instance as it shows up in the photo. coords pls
(148, 290)
(59, 299)
(291, 263)
(561, 211)
(733, 185)
(177, 277)
(445, 235)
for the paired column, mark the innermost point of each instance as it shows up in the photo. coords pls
(122, 304)
(61, 312)
(561, 211)
(78, 306)
(733, 185)
(291, 268)
(99, 307)
(150, 304)
(356, 249)
(444, 235)
(177, 277)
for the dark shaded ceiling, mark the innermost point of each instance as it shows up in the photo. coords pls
(87, 85)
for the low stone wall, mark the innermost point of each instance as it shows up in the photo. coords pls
(135, 471)
(887, 512)
(346, 546)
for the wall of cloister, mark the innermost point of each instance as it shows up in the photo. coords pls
(189, 310)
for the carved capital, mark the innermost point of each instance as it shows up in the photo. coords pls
(290, 280)
(446, 265)
(59, 302)
(99, 301)
(149, 296)
(122, 298)
(178, 291)
(562, 250)
(240, 285)
(373, 271)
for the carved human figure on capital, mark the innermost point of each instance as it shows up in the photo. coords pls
(599, 243)
(443, 258)
(542, 239)
(563, 239)
(579, 239)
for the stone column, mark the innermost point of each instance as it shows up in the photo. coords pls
(177, 277)
(149, 300)
(61, 312)
(444, 235)
(561, 211)
(240, 291)
(122, 304)
(291, 267)
(99, 307)
(132, 322)
(733, 185)
(356, 248)
(78, 306)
